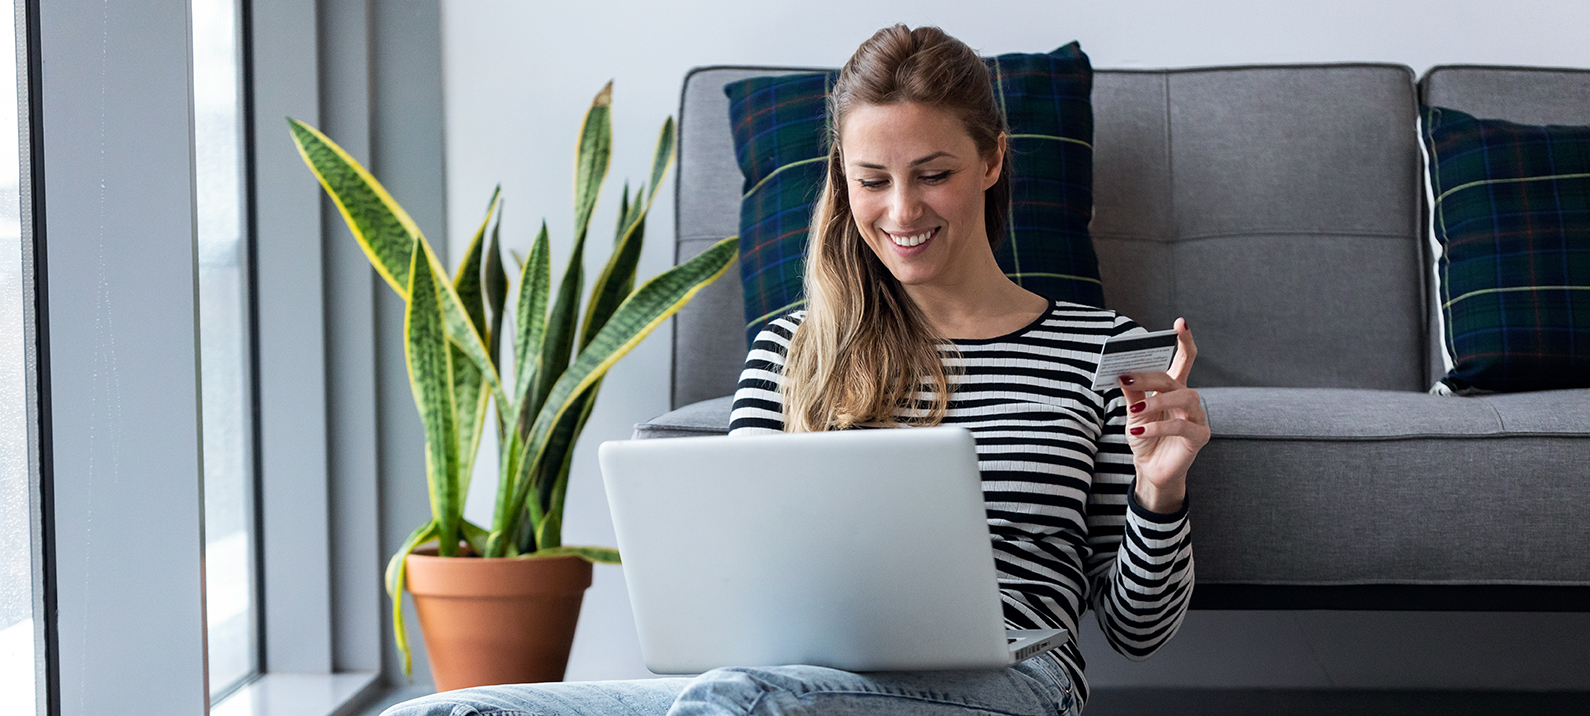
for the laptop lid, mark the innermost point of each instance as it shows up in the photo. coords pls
(863, 550)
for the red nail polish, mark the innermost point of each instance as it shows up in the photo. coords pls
(1137, 407)
(1137, 430)
(1126, 380)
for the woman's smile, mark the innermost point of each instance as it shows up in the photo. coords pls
(911, 243)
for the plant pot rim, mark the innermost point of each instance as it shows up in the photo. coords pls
(429, 551)
(468, 576)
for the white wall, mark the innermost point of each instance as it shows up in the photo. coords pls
(519, 75)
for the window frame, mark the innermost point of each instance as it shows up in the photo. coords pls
(36, 356)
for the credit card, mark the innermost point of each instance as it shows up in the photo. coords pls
(1136, 353)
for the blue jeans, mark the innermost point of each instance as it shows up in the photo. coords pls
(1035, 687)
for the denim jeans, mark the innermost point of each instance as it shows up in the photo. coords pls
(1035, 687)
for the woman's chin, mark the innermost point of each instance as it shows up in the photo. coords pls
(913, 275)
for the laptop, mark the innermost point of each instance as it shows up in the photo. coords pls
(863, 550)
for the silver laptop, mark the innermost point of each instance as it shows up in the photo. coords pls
(864, 550)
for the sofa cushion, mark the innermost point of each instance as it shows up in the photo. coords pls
(1510, 223)
(1277, 209)
(780, 127)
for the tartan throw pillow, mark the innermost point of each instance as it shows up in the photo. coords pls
(1510, 229)
(780, 140)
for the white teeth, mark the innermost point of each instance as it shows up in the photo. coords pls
(909, 241)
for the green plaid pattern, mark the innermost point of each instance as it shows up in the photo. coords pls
(1511, 216)
(780, 139)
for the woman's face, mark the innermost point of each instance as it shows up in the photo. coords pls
(916, 183)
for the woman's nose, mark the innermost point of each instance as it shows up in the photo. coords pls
(905, 206)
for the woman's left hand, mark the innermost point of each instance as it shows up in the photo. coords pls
(1165, 426)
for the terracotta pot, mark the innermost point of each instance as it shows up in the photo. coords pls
(496, 621)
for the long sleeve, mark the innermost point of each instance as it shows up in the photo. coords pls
(1140, 563)
(758, 408)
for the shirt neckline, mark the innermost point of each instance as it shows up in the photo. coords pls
(1008, 336)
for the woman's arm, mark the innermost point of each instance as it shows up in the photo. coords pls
(1140, 563)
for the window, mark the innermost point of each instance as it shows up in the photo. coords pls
(225, 347)
(202, 549)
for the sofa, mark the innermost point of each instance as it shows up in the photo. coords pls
(1281, 209)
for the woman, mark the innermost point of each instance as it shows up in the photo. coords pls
(910, 322)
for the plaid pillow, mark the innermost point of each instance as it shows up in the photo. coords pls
(780, 140)
(1510, 220)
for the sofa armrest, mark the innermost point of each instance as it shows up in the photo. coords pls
(708, 417)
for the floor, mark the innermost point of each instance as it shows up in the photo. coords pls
(1280, 702)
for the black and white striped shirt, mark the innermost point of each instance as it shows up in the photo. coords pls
(1057, 478)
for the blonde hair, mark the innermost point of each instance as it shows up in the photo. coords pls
(864, 348)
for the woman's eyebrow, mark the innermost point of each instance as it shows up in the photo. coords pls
(923, 160)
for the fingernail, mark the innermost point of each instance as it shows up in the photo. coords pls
(1126, 380)
(1137, 407)
(1137, 430)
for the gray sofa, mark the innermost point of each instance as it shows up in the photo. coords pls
(1281, 209)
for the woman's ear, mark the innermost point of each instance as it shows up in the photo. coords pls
(995, 163)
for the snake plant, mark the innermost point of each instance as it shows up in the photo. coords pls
(452, 339)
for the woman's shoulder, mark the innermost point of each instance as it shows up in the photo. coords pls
(776, 335)
(1109, 322)
(781, 329)
(790, 320)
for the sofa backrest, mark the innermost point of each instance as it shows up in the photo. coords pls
(1276, 207)
(1528, 95)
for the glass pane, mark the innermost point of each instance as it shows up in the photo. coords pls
(17, 654)
(225, 347)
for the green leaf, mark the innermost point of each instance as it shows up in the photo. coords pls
(469, 387)
(549, 533)
(566, 434)
(551, 481)
(387, 234)
(598, 555)
(617, 279)
(383, 229)
(558, 345)
(662, 158)
(470, 400)
(431, 375)
(467, 280)
(591, 159)
(496, 280)
(591, 163)
(615, 283)
(396, 573)
(535, 285)
(646, 309)
(502, 540)
(475, 536)
(637, 209)
(623, 212)
(530, 318)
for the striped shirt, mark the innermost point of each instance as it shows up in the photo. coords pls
(1057, 478)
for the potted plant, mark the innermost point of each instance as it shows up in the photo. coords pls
(499, 605)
